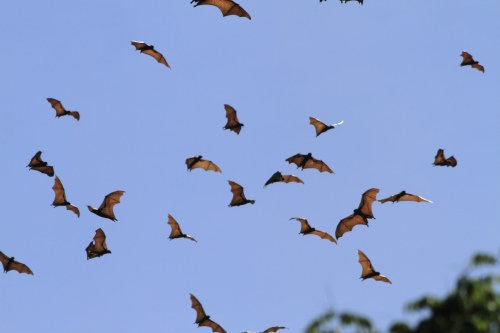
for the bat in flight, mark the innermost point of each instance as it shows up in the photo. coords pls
(61, 111)
(106, 208)
(9, 264)
(60, 197)
(440, 160)
(198, 162)
(360, 215)
(227, 7)
(278, 177)
(201, 317)
(309, 162)
(321, 127)
(233, 124)
(306, 229)
(239, 198)
(368, 271)
(403, 196)
(468, 60)
(37, 164)
(269, 330)
(150, 51)
(98, 247)
(176, 230)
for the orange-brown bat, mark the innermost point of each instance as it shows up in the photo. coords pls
(239, 198)
(321, 127)
(61, 111)
(403, 196)
(150, 51)
(360, 215)
(9, 264)
(98, 247)
(227, 7)
(368, 271)
(269, 330)
(440, 160)
(309, 162)
(37, 164)
(106, 208)
(278, 177)
(468, 60)
(233, 124)
(198, 162)
(201, 317)
(306, 229)
(176, 230)
(60, 197)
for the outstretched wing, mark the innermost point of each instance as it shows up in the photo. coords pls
(196, 305)
(367, 199)
(321, 166)
(324, 235)
(60, 195)
(439, 159)
(238, 195)
(74, 209)
(20, 267)
(213, 325)
(276, 177)
(319, 126)
(347, 223)
(466, 59)
(227, 7)
(366, 264)
(75, 114)
(100, 241)
(304, 224)
(478, 67)
(4, 259)
(57, 105)
(109, 202)
(292, 178)
(274, 329)
(297, 159)
(157, 56)
(452, 161)
(37, 160)
(413, 197)
(48, 170)
(382, 278)
(206, 165)
(176, 229)
(233, 123)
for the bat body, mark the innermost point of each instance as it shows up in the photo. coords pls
(202, 319)
(403, 196)
(278, 177)
(232, 124)
(97, 248)
(198, 162)
(9, 264)
(309, 162)
(368, 271)
(150, 51)
(227, 7)
(468, 60)
(105, 210)
(359, 215)
(176, 230)
(61, 111)
(321, 127)
(239, 198)
(39, 165)
(440, 160)
(60, 197)
(306, 229)
(269, 330)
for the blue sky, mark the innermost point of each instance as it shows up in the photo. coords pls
(389, 69)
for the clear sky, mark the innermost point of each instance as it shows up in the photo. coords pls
(389, 69)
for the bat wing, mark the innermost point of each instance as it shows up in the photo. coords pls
(478, 67)
(48, 170)
(196, 305)
(348, 223)
(227, 7)
(321, 166)
(466, 59)
(324, 235)
(4, 259)
(319, 126)
(100, 241)
(74, 209)
(109, 202)
(382, 278)
(292, 178)
(20, 267)
(367, 199)
(238, 195)
(139, 45)
(57, 105)
(413, 197)
(276, 177)
(75, 114)
(274, 329)
(176, 229)
(232, 119)
(60, 195)
(439, 158)
(206, 165)
(157, 56)
(392, 198)
(297, 159)
(37, 160)
(304, 224)
(366, 264)
(452, 161)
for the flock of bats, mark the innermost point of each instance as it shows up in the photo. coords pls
(98, 247)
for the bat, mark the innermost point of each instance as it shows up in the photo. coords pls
(269, 330)
(98, 247)
(468, 60)
(440, 160)
(106, 208)
(176, 230)
(227, 7)
(60, 197)
(368, 271)
(306, 229)
(197, 162)
(61, 111)
(403, 196)
(233, 124)
(309, 162)
(360, 215)
(278, 177)
(345, 1)
(9, 264)
(239, 198)
(201, 317)
(321, 127)
(150, 51)
(38, 164)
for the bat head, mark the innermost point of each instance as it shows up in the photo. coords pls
(251, 201)
(90, 208)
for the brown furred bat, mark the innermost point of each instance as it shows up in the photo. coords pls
(198, 162)
(227, 7)
(202, 319)
(9, 264)
(60, 197)
(176, 230)
(360, 215)
(150, 51)
(61, 111)
(321, 127)
(98, 247)
(233, 124)
(403, 196)
(440, 160)
(39, 165)
(306, 229)
(468, 60)
(278, 177)
(239, 198)
(309, 162)
(368, 271)
(106, 208)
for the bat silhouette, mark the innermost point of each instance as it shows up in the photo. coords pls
(468, 60)
(37, 164)
(233, 124)
(440, 160)
(150, 51)
(106, 208)
(321, 127)
(368, 271)
(306, 229)
(239, 198)
(227, 7)
(176, 230)
(309, 162)
(98, 247)
(269, 330)
(360, 215)
(201, 317)
(403, 196)
(278, 177)
(60, 197)
(9, 264)
(61, 111)
(198, 162)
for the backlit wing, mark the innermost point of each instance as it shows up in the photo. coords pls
(109, 202)
(227, 7)
(57, 105)
(367, 199)
(348, 223)
(321, 166)
(60, 195)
